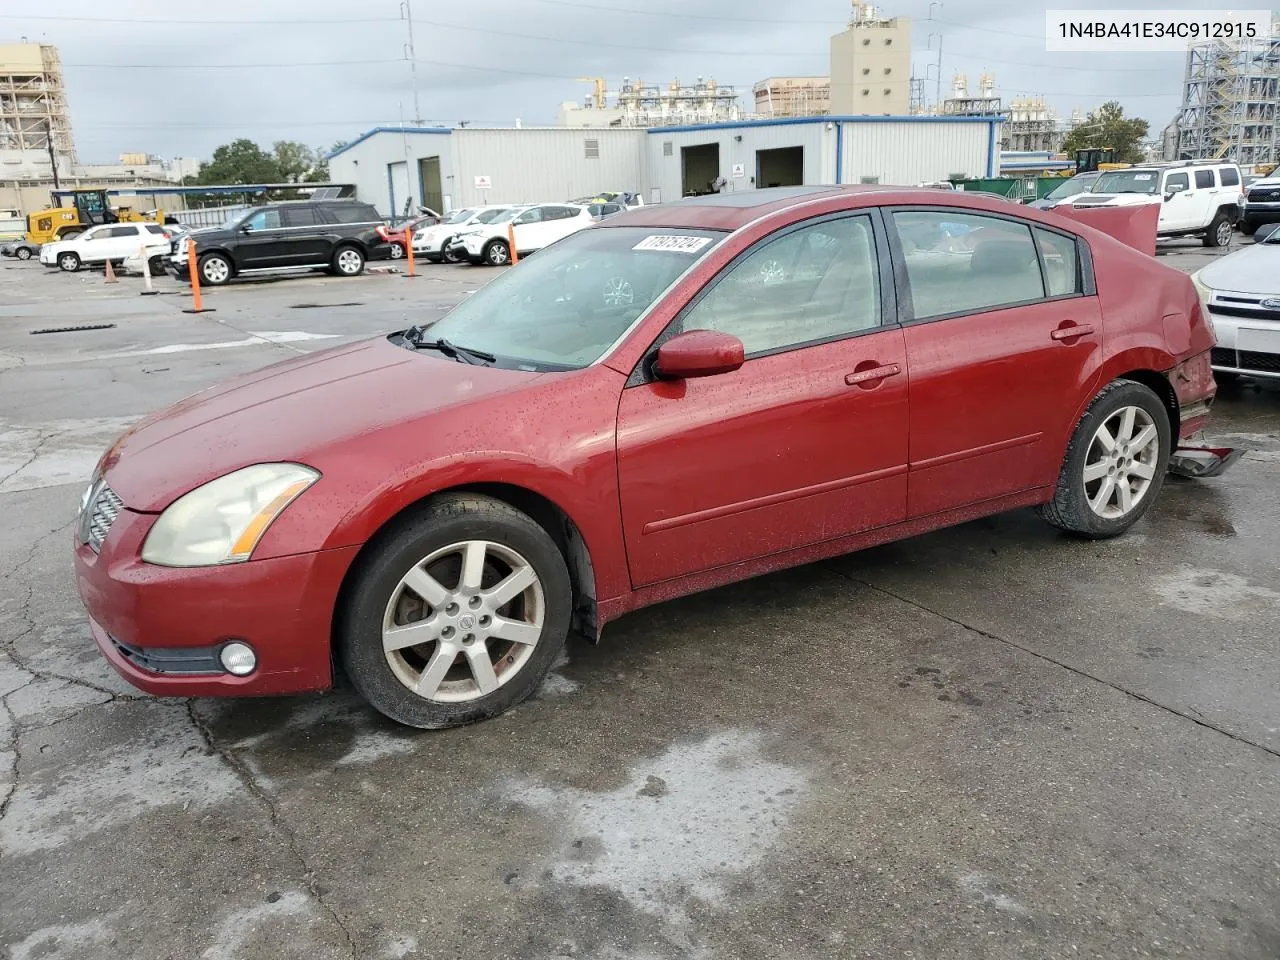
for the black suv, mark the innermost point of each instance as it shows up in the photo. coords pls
(337, 234)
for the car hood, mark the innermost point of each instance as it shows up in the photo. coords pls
(1250, 270)
(299, 411)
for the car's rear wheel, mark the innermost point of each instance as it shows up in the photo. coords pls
(1115, 464)
(456, 614)
(215, 269)
(1220, 231)
(348, 262)
(156, 266)
(497, 253)
(397, 252)
(23, 253)
(70, 262)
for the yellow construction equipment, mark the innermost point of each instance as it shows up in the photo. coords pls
(87, 208)
(600, 98)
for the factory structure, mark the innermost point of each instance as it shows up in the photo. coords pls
(1231, 89)
(35, 124)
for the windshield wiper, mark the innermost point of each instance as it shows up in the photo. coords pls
(414, 336)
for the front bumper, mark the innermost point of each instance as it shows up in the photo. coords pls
(1255, 214)
(156, 625)
(1246, 345)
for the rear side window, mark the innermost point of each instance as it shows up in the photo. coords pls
(1228, 176)
(1061, 261)
(155, 228)
(961, 263)
(1204, 179)
(1176, 183)
(351, 213)
(122, 232)
(300, 216)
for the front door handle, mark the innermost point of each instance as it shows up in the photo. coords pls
(1072, 331)
(872, 375)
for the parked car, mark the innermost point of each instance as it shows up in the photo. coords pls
(1261, 204)
(1080, 183)
(398, 236)
(152, 259)
(1198, 198)
(20, 249)
(600, 211)
(433, 243)
(536, 226)
(340, 235)
(108, 241)
(1241, 293)
(680, 397)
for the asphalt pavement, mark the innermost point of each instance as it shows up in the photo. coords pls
(987, 742)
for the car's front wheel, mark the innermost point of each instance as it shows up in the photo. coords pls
(1115, 464)
(456, 614)
(450, 255)
(215, 269)
(497, 253)
(23, 253)
(70, 262)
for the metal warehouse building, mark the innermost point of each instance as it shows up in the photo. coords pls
(400, 168)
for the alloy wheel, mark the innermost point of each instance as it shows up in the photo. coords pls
(397, 252)
(499, 254)
(216, 270)
(463, 621)
(1121, 462)
(1224, 233)
(349, 261)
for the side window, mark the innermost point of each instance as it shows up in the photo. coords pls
(957, 262)
(1229, 176)
(532, 215)
(820, 282)
(126, 231)
(155, 228)
(264, 220)
(1061, 261)
(299, 216)
(1204, 179)
(1176, 183)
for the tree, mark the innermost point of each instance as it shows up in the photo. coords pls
(1109, 127)
(241, 161)
(294, 159)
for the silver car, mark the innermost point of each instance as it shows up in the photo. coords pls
(1241, 294)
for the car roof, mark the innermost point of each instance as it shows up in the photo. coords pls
(728, 211)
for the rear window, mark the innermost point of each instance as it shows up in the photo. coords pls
(1229, 176)
(352, 213)
(300, 216)
(155, 228)
(1204, 179)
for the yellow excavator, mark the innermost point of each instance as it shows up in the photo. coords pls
(86, 208)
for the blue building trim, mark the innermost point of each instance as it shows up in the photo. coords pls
(839, 151)
(377, 130)
(793, 121)
(993, 148)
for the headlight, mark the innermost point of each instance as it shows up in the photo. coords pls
(1206, 294)
(222, 521)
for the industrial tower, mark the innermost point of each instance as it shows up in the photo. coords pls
(33, 101)
(1229, 100)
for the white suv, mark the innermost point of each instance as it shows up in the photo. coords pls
(432, 243)
(1198, 198)
(108, 241)
(536, 226)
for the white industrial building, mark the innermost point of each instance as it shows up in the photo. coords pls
(400, 168)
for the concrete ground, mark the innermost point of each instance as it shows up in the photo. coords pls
(989, 742)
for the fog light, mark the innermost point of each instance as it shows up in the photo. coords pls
(238, 659)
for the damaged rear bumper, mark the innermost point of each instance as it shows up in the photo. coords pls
(1201, 462)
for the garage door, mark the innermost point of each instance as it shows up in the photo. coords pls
(398, 187)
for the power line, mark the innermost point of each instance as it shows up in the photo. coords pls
(195, 22)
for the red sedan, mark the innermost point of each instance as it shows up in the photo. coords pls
(398, 237)
(682, 396)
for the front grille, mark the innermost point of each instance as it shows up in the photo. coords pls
(1221, 357)
(1268, 362)
(183, 660)
(1264, 196)
(1258, 314)
(102, 512)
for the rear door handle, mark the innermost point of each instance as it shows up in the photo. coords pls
(872, 375)
(1072, 332)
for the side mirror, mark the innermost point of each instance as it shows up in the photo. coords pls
(699, 353)
(245, 228)
(1171, 195)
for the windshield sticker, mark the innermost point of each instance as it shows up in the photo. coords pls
(1144, 176)
(673, 244)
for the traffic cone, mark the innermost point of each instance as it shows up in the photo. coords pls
(111, 273)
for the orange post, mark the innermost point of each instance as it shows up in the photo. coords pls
(408, 250)
(511, 243)
(193, 269)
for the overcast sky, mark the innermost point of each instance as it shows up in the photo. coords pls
(177, 79)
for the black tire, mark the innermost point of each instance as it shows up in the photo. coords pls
(1220, 231)
(156, 266)
(1247, 228)
(23, 253)
(497, 253)
(215, 269)
(1069, 509)
(69, 261)
(348, 261)
(438, 524)
(397, 252)
(449, 256)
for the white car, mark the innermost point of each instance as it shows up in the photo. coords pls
(108, 241)
(1198, 198)
(151, 259)
(1241, 295)
(536, 226)
(432, 243)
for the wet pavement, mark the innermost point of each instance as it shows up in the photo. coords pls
(987, 742)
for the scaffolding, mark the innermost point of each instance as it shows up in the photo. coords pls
(1032, 126)
(793, 96)
(33, 101)
(676, 103)
(1229, 101)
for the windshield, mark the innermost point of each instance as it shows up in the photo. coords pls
(1069, 189)
(234, 218)
(1128, 181)
(565, 307)
(501, 215)
(459, 216)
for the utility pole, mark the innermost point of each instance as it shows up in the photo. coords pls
(53, 159)
(937, 93)
(406, 14)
